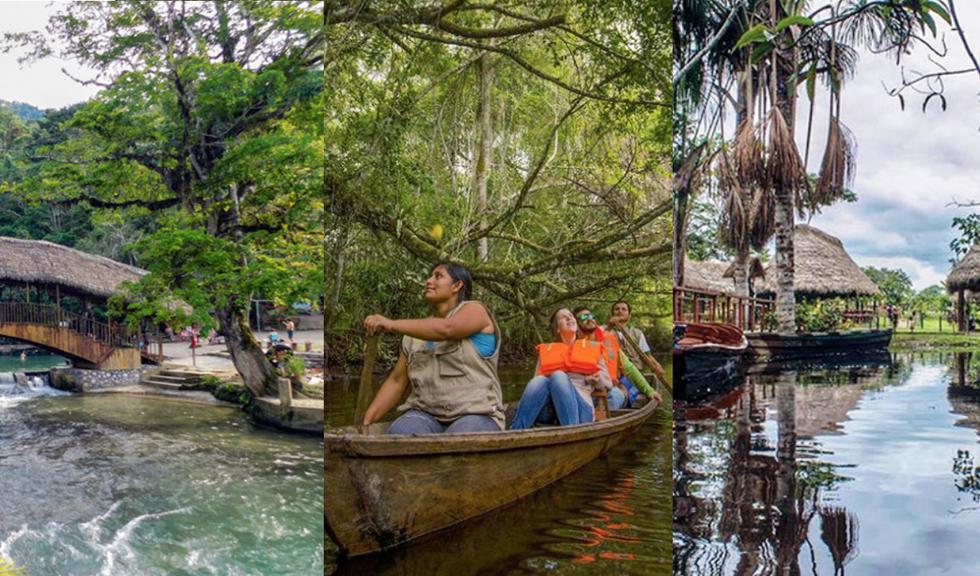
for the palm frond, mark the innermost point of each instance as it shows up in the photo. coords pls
(785, 171)
(7, 568)
(838, 167)
(839, 531)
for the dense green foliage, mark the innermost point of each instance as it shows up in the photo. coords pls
(574, 204)
(968, 228)
(200, 159)
(895, 285)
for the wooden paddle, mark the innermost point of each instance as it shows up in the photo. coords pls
(365, 390)
(650, 361)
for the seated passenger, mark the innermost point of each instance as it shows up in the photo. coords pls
(567, 371)
(588, 328)
(450, 360)
(629, 374)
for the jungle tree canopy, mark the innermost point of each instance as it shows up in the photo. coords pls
(529, 142)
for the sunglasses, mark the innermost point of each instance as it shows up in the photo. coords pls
(586, 316)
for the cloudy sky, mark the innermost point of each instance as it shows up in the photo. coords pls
(40, 83)
(910, 165)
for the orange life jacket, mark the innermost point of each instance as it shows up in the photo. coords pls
(551, 357)
(584, 356)
(611, 346)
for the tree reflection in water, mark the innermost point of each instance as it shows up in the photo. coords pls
(745, 506)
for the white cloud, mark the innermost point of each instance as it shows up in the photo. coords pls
(910, 165)
(921, 274)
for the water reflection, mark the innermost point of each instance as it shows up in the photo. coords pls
(759, 487)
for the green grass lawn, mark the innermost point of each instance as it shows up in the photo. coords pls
(928, 324)
(930, 334)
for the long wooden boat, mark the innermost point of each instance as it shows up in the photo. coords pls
(769, 346)
(707, 359)
(381, 491)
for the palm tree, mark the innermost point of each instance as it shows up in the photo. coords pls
(763, 176)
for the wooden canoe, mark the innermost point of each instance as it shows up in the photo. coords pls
(768, 346)
(707, 359)
(381, 491)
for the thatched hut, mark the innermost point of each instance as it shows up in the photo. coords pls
(823, 269)
(963, 279)
(35, 263)
(709, 276)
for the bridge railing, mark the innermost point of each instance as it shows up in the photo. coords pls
(109, 334)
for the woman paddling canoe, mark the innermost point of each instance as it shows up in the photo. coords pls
(449, 358)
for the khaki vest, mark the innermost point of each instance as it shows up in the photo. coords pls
(452, 379)
(636, 333)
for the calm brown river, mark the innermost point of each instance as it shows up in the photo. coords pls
(611, 517)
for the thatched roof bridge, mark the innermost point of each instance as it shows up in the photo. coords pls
(33, 264)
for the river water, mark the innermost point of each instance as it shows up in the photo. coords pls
(121, 485)
(867, 466)
(610, 517)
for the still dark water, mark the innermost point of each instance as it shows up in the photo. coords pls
(868, 468)
(610, 517)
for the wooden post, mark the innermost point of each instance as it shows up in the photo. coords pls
(961, 312)
(365, 390)
(57, 300)
(602, 404)
(285, 396)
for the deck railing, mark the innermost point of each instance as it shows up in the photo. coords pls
(748, 314)
(110, 334)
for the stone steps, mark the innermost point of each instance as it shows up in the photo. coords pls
(311, 359)
(170, 379)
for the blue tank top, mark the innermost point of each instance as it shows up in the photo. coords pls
(484, 343)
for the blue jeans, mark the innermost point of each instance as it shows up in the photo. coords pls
(419, 422)
(558, 391)
(616, 398)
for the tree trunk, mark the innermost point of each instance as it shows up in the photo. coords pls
(680, 246)
(257, 372)
(788, 530)
(338, 276)
(741, 273)
(481, 173)
(784, 213)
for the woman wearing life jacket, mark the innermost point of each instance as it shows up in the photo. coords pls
(567, 371)
(449, 359)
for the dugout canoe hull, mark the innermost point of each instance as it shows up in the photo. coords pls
(768, 346)
(383, 491)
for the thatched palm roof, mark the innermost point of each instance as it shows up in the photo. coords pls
(966, 273)
(756, 269)
(39, 262)
(823, 268)
(708, 275)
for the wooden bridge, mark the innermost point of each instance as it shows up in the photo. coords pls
(89, 343)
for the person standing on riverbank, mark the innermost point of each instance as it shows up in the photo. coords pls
(290, 328)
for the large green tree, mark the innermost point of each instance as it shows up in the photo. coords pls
(209, 119)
